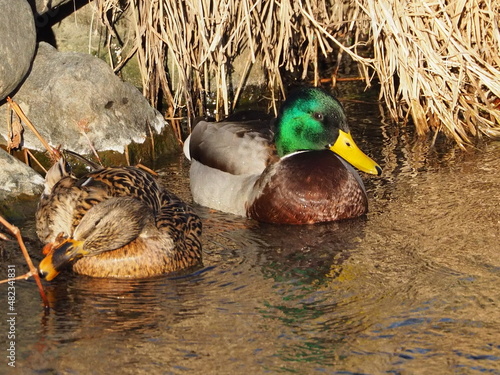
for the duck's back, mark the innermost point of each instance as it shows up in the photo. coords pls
(126, 181)
(227, 158)
(70, 198)
(236, 147)
(184, 227)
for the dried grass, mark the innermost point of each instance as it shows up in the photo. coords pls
(437, 60)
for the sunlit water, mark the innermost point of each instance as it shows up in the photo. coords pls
(412, 288)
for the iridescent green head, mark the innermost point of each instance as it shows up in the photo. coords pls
(312, 119)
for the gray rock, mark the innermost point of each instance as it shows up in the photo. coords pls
(17, 178)
(17, 43)
(76, 101)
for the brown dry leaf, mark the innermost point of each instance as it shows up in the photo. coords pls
(15, 135)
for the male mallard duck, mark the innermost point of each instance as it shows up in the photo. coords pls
(114, 222)
(284, 172)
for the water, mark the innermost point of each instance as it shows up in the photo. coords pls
(412, 288)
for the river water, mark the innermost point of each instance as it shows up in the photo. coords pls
(412, 288)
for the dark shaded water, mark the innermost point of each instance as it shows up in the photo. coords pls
(413, 288)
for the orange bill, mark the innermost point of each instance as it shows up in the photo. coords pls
(59, 257)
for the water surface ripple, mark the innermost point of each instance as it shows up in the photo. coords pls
(412, 288)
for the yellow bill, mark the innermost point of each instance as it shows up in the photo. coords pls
(346, 148)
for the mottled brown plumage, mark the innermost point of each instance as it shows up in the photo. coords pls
(115, 222)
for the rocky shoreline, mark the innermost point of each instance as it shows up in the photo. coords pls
(74, 99)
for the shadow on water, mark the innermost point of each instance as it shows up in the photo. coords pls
(413, 287)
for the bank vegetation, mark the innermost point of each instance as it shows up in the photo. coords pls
(437, 62)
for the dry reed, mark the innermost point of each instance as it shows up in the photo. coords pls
(437, 61)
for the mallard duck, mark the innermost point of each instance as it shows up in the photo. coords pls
(114, 222)
(296, 169)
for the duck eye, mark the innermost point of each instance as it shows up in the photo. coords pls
(318, 116)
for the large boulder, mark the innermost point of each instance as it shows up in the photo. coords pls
(17, 178)
(17, 43)
(76, 101)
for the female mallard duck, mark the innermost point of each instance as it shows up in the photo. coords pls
(114, 222)
(282, 174)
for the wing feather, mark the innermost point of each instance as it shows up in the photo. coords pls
(233, 147)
